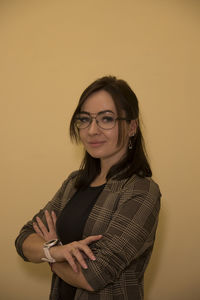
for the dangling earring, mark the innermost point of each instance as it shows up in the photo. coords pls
(130, 145)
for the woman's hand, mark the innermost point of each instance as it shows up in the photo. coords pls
(46, 233)
(75, 252)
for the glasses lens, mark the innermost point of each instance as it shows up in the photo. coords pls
(105, 121)
(83, 120)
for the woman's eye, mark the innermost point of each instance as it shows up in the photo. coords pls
(107, 119)
(84, 119)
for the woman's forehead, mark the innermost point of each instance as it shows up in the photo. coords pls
(99, 101)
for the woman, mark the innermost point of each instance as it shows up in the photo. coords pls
(98, 231)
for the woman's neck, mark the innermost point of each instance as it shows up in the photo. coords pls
(100, 179)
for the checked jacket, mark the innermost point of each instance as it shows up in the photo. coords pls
(126, 214)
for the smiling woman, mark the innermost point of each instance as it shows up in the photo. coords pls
(102, 142)
(98, 231)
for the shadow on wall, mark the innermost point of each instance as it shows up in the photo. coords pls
(152, 270)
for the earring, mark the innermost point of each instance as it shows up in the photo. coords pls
(130, 145)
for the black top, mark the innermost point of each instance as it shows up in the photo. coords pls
(70, 226)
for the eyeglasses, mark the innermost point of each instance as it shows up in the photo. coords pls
(105, 120)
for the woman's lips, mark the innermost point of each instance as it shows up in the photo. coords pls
(96, 144)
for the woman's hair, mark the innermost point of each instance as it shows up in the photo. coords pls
(135, 160)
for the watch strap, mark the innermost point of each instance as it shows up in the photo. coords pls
(48, 245)
(48, 257)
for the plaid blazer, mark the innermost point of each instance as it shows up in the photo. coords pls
(126, 214)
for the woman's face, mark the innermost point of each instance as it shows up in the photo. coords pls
(102, 143)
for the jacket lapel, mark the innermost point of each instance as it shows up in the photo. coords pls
(104, 208)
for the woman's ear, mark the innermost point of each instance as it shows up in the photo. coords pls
(133, 127)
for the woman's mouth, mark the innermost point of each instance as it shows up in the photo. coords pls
(95, 144)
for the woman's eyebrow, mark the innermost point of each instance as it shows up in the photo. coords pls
(100, 112)
(84, 112)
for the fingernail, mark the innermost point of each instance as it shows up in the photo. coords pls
(85, 267)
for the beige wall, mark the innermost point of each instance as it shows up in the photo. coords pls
(49, 52)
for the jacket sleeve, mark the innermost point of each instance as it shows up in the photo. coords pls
(54, 204)
(130, 233)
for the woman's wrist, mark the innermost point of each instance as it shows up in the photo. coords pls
(56, 253)
(46, 247)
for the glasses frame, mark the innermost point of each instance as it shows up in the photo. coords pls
(97, 122)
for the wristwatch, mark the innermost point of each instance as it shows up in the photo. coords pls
(46, 248)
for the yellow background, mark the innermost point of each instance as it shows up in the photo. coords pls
(49, 52)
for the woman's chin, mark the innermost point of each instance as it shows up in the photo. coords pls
(94, 155)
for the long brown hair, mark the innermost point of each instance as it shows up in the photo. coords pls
(135, 160)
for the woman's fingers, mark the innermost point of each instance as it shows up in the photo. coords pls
(37, 229)
(71, 261)
(41, 225)
(91, 239)
(79, 257)
(49, 220)
(75, 252)
(54, 217)
(82, 246)
(76, 248)
(73, 256)
(88, 252)
(47, 232)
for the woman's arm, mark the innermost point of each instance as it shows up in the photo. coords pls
(32, 248)
(65, 191)
(129, 237)
(69, 258)
(77, 279)
(72, 252)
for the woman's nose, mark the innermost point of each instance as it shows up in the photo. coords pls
(93, 127)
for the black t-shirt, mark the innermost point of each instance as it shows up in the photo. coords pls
(70, 226)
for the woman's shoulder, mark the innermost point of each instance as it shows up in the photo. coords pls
(142, 185)
(134, 185)
(71, 177)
